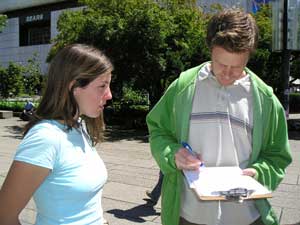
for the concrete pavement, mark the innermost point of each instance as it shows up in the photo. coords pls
(132, 171)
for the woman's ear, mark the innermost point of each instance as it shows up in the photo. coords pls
(71, 84)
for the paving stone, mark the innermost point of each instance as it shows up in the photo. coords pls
(285, 201)
(293, 189)
(116, 176)
(278, 211)
(296, 160)
(153, 172)
(124, 161)
(286, 195)
(125, 192)
(293, 170)
(27, 216)
(290, 179)
(291, 216)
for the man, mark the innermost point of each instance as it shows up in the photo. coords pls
(229, 117)
(29, 106)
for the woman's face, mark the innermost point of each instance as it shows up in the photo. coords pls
(92, 98)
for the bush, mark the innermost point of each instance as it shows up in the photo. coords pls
(16, 79)
(33, 79)
(133, 97)
(12, 83)
(130, 112)
(2, 21)
(14, 105)
(126, 115)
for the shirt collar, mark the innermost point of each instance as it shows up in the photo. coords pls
(206, 73)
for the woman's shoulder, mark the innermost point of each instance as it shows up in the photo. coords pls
(40, 145)
(48, 126)
(47, 130)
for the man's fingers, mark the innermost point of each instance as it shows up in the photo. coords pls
(185, 160)
(249, 172)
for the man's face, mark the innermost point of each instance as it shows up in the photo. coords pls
(228, 66)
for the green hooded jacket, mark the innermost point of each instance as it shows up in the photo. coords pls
(168, 124)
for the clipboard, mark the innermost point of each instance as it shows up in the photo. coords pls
(224, 183)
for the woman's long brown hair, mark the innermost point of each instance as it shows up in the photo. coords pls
(79, 63)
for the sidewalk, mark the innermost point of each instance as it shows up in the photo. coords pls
(132, 171)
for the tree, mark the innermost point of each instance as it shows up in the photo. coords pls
(18, 79)
(150, 42)
(2, 21)
(295, 67)
(265, 63)
(3, 85)
(262, 61)
(12, 82)
(33, 77)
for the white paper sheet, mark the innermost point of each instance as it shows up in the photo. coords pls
(209, 181)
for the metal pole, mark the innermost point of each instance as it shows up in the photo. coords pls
(286, 55)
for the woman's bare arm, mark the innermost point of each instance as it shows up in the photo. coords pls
(21, 182)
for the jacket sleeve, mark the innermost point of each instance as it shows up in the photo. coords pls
(275, 153)
(161, 125)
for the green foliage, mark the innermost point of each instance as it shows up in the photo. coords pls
(262, 60)
(295, 67)
(133, 97)
(2, 21)
(265, 63)
(16, 106)
(18, 80)
(33, 79)
(149, 42)
(70, 25)
(12, 80)
(3, 85)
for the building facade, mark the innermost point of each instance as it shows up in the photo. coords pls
(30, 27)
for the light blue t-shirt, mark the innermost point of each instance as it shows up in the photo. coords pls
(71, 193)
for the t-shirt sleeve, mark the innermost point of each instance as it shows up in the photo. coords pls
(39, 147)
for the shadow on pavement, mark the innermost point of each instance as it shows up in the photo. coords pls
(112, 133)
(136, 213)
(294, 129)
(116, 133)
(294, 135)
(15, 131)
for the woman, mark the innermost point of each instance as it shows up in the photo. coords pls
(57, 162)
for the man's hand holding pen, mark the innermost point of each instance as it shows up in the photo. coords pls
(187, 159)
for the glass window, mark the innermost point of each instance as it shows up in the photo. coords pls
(34, 30)
(38, 35)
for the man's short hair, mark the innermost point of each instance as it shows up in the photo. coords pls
(233, 30)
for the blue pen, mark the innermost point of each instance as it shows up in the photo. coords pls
(189, 148)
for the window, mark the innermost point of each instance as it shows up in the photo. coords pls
(34, 30)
